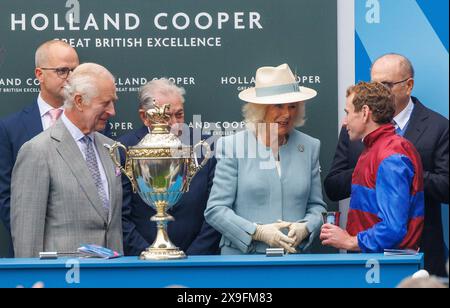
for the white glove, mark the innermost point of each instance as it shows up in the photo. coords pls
(298, 232)
(272, 236)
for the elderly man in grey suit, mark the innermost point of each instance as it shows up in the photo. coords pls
(65, 191)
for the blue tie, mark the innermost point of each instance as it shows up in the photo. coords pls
(92, 164)
(398, 130)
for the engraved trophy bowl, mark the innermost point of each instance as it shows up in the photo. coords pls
(160, 170)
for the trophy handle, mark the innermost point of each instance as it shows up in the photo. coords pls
(194, 167)
(206, 146)
(127, 171)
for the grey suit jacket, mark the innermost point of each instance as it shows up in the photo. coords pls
(55, 205)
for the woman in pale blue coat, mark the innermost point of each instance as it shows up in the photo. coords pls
(267, 190)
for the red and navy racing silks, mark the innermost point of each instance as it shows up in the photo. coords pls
(387, 199)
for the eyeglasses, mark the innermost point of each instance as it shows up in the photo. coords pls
(62, 72)
(390, 85)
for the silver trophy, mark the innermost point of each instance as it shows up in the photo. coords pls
(160, 170)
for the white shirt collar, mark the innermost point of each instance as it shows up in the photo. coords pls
(74, 131)
(402, 118)
(44, 107)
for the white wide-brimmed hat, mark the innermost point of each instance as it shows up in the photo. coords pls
(276, 85)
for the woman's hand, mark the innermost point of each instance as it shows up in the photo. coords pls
(272, 236)
(298, 232)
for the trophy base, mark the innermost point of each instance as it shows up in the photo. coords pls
(162, 254)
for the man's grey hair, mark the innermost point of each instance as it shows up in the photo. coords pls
(83, 81)
(41, 55)
(255, 113)
(151, 89)
(405, 63)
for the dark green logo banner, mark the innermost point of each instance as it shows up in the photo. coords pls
(212, 48)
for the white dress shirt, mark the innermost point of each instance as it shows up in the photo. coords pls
(402, 118)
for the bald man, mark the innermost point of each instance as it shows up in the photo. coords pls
(54, 60)
(428, 131)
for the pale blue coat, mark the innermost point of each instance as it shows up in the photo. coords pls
(247, 189)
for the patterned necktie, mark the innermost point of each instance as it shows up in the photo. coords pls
(54, 115)
(91, 161)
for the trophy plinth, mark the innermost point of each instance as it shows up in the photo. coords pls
(160, 170)
(162, 248)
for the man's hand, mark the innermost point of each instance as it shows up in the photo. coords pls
(272, 236)
(336, 237)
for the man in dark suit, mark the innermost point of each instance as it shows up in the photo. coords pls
(54, 60)
(189, 231)
(428, 131)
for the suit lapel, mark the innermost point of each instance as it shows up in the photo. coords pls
(109, 168)
(70, 153)
(417, 124)
(32, 121)
(140, 133)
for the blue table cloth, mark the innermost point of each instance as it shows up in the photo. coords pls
(243, 271)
